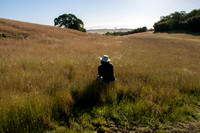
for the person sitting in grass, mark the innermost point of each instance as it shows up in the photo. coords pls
(106, 70)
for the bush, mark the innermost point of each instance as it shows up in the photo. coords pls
(179, 21)
(194, 23)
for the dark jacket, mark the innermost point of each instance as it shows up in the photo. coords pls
(106, 70)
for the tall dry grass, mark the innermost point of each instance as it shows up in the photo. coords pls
(47, 80)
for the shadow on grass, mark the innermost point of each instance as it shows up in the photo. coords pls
(91, 95)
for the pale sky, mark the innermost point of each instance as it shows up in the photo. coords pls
(95, 13)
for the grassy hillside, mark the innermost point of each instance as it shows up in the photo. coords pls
(47, 81)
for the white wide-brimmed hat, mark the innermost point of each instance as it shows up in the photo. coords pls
(105, 58)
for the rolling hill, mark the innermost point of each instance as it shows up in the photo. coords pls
(48, 81)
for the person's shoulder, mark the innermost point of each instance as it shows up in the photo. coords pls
(100, 66)
(110, 64)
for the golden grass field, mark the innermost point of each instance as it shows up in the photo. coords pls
(48, 81)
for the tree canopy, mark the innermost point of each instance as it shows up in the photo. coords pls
(69, 21)
(179, 21)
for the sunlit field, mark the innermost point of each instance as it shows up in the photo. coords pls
(48, 81)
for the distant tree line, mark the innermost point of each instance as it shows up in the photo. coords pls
(179, 21)
(138, 30)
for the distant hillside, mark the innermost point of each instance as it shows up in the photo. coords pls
(20, 30)
(10, 29)
(104, 31)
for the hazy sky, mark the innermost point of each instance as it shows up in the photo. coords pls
(95, 13)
